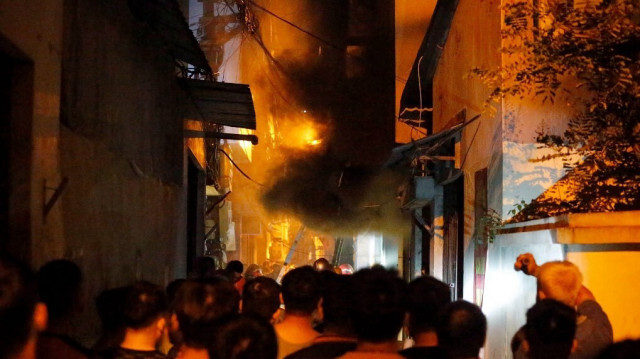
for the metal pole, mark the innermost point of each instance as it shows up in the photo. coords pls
(337, 252)
(290, 255)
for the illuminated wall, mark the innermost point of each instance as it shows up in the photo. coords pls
(508, 294)
(612, 276)
(504, 143)
(473, 40)
(603, 245)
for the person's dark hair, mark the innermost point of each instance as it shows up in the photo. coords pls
(172, 289)
(626, 349)
(235, 266)
(261, 297)
(337, 297)
(301, 291)
(59, 287)
(203, 267)
(550, 329)
(18, 299)
(144, 303)
(109, 306)
(322, 264)
(461, 328)
(426, 296)
(244, 337)
(517, 341)
(379, 306)
(199, 303)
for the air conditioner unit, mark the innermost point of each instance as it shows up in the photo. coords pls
(417, 193)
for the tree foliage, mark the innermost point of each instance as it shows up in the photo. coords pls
(588, 56)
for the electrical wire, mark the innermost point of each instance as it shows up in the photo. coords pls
(420, 91)
(471, 143)
(420, 98)
(238, 168)
(294, 25)
(274, 88)
(297, 27)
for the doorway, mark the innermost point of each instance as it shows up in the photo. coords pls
(195, 210)
(16, 113)
(453, 250)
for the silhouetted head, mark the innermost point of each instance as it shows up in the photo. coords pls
(301, 291)
(18, 302)
(426, 296)
(109, 305)
(550, 330)
(244, 337)
(461, 329)
(197, 306)
(322, 264)
(203, 267)
(235, 266)
(337, 301)
(261, 297)
(172, 289)
(144, 303)
(379, 305)
(59, 287)
(253, 271)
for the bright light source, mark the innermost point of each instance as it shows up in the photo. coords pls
(304, 134)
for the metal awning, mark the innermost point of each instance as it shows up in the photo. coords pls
(167, 20)
(428, 145)
(417, 96)
(221, 103)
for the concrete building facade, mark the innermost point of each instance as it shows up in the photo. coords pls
(492, 157)
(92, 132)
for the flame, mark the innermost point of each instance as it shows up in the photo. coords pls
(304, 135)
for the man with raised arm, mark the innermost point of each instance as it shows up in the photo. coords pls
(562, 281)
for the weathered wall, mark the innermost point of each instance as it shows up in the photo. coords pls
(122, 150)
(473, 41)
(107, 79)
(35, 29)
(120, 87)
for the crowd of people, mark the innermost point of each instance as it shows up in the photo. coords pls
(316, 312)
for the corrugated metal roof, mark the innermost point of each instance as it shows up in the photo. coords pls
(166, 19)
(402, 154)
(222, 103)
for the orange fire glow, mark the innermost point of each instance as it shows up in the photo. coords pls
(304, 135)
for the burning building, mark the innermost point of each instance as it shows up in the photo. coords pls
(322, 77)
